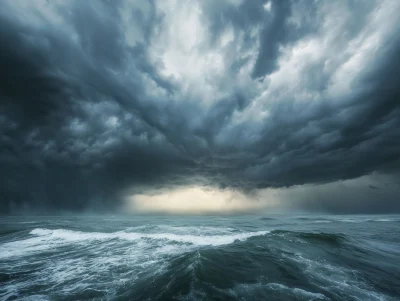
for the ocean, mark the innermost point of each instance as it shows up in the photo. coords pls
(274, 257)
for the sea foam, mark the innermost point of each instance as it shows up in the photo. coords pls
(199, 240)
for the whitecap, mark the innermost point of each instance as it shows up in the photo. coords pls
(337, 278)
(199, 240)
(251, 289)
(297, 291)
(47, 239)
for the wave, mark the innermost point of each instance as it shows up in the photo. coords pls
(345, 219)
(298, 292)
(365, 220)
(341, 280)
(314, 219)
(213, 240)
(324, 237)
(199, 230)
(302, 218)
(168, 239)
(383, 220)
(8, 232)
(329, 238)
(267, 219)
(273, 291)
(42, 240)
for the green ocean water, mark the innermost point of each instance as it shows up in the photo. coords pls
(275, 257)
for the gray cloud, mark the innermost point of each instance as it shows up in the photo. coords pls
(104, 97)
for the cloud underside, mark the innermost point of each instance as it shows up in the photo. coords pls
(100, 100)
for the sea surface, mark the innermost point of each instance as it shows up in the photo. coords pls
(275, 257)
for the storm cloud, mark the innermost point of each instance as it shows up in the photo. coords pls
(104, 99)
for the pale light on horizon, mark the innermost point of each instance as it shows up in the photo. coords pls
(195, 200)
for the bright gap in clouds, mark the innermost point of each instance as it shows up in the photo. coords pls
(196, 200)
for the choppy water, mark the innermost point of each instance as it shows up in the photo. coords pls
(200, 258)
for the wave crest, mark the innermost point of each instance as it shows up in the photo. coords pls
(329, 238)
(199, 240)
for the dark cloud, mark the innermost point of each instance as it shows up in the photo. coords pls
(272, 36)
(361, 195)
(102, 98)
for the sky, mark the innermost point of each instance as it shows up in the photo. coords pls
(204, 106)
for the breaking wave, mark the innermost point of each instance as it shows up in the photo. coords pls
(199, 240)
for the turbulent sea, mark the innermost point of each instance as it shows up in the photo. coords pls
(274, 257)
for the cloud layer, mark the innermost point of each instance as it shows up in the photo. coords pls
(100, 99)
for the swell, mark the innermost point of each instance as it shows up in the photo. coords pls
(346, 220)
(6, 232)
(333, 239)
(267, 219)
(243, 272)
(41, 238)
(70, 235)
